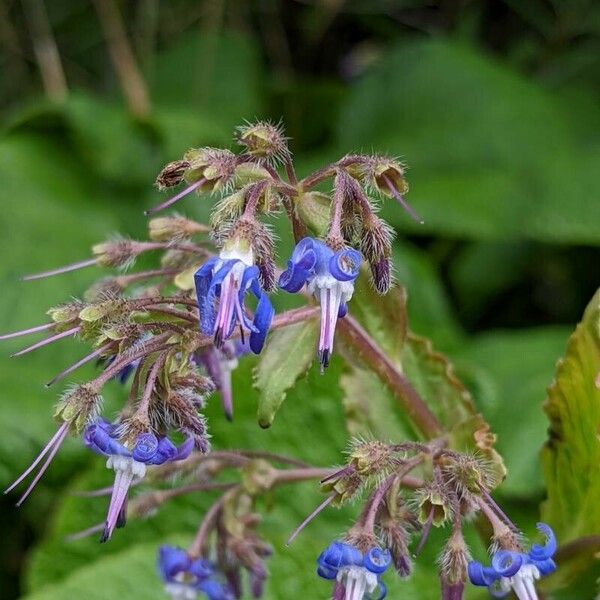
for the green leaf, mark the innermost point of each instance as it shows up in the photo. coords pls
(384, 317)
(571, 456)
(516, 366)
(500, 159)
(370, 408)
(286, 357)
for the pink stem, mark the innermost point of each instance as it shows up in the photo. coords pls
(85, 533)
(79, 363)
(74, 267)
(41, 455)
(400, 198)
(48, 340)
(8, 336)
(63, 433)
(175, 198)
(310, 517)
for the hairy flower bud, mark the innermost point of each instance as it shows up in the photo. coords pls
(258, 477)
(172, 174)
(264, 141)
(470, 473)
(67, 314)
(119, 253)
(78, 406)
(453, 560)
(166, 229)
(371, 458)
(213, 165)
(346, 485)
(376, 247)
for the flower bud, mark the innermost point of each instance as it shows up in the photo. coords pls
(346, 486)
(172, 174)
(119, 253)
(371, 458)
(264, 141)
(258, 477)
(66, 314)
(214, 165)
(166, 229)
(453, 563)
(79, 406)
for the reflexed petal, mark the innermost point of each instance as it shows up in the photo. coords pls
(145, 447)
(345, 265)
(542, 553)
(97, 439)
(262, 321)
(506, 563)
(480, 575)
(377, 560)
(172, 561)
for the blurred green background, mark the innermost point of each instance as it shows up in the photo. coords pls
(492, 104)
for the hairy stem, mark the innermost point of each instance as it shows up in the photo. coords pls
(410, 400)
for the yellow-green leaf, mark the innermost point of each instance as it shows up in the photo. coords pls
(571, 456)
(286, 357)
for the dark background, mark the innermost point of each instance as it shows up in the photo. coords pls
(493, 106)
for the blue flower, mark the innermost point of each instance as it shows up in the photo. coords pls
(357, 574)
(221, 286)
(185, 578)
(330, 277)
(516, 571)
(129, 463)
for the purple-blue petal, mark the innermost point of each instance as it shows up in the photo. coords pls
(377, 560)
(507, 563)
(146, 447)
(480, 575)
(97, 438)
(262, 321)
(345, 265)
(541, 553)
(172, 561)
(201, 568)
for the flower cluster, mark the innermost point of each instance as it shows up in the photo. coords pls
(172, 336)
(357, 575)
(185, 578)
(128, 464)
(515, 570)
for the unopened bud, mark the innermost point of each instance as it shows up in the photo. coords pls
(78, 406)
(264, 141)
(119, 253)
(172, 174)
(166, 229)
(66, 314)
(371, 458)
(213, 165)
(313, 210)
(258, 477)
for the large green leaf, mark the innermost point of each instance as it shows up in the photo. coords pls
(516, 366)
(571, 456)
(492, 155)
(286, 357)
